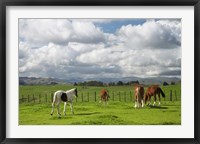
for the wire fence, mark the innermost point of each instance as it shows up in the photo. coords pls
(122, 96)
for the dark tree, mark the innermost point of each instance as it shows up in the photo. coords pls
(120, 83)
(165, 84)
(173, 83)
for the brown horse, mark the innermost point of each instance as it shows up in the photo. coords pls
(104, 95)
(153, 91)
(139, 94)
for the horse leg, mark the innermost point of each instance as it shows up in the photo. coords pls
(139, 100)
(72, 109)
(149, 99)
(58, 109)
(138, 103)
(107, 100)
(64, 111)
(53, 104)
(135, 101)
(100, 100)
(154, 100)
(142, 103)
(159, 99)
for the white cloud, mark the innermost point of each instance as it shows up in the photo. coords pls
(163, 34)
(66, 48)
(39, 32)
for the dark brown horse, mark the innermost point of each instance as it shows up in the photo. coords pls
(104, 95)
(139, 94)
(153, 91)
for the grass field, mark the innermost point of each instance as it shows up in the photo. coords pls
(119, 111)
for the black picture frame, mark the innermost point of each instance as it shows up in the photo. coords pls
(5, 3)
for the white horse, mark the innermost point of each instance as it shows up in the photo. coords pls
(65, 96)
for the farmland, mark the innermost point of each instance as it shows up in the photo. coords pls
(35, 106)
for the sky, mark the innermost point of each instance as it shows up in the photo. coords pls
(99, 48)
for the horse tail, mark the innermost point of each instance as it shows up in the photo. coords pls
(162, 93)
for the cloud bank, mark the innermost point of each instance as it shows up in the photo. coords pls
(72, 48)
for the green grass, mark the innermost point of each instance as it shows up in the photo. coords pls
(115, 113)
(92, 113)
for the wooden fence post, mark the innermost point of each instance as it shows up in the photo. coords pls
(175, 96)
(82, 97)
(125, 96)
(46, 97)
(51, 97)
(165, 95)
(39, 98)
(22, 98)
(130, 96)
(170, 95)
(28, 98)
(95, 96)
(33, 98)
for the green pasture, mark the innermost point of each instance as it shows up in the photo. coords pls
(44, 93)
(119, 111)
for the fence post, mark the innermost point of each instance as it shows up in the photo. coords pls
(33, 98)
(46, 97)
(28, 98)
(22, 98)
(82, 96)
(130, 96)
(88, 96)
(51, 97)
(125, 96)
(170, 95)
(165, 95)
(175, 96)
(95, 98)
(39, 98)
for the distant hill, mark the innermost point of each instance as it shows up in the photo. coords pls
(53, 81)
(39, 81)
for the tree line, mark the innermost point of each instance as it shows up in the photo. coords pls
(99, 83)
(119, 83)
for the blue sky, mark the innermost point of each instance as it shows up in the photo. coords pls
(112, 26)
(94, 48)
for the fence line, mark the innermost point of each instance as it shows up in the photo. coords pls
(124, 96)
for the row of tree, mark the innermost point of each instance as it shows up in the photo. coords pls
(99, 83)
(119, 83)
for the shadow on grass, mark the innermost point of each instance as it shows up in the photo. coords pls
(158, 107)
(71, 116)
(87, 113)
